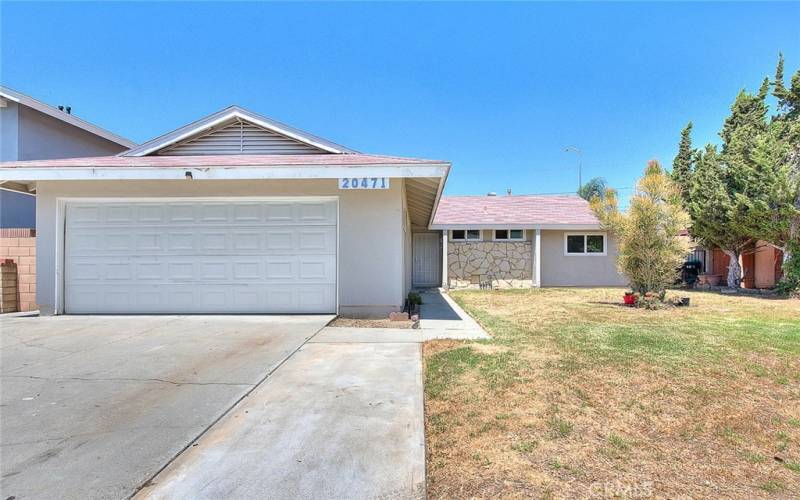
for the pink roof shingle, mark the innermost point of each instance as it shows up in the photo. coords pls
(219, 161)
(533, 210)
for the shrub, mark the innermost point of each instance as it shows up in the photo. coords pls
(414, 299)
(651, 251)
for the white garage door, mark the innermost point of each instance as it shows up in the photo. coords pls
(201, 256)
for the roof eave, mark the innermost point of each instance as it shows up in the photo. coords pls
(73, 120)
(223, 172)
(527, 225)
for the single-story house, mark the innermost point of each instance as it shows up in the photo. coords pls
(524, 241)
(233, 213)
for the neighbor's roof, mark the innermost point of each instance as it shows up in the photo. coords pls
(221, 161)
(517, 211)
(13, 95)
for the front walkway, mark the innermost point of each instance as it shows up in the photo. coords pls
(440, 318)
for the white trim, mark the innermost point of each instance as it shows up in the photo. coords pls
(585, 253)
(445, 270)
(199, 126)
(13, 95)
(224, 172)
(509, 238)
(479, 238)
(537, 258)
(557, 227)
(29, 193)
(61, 225)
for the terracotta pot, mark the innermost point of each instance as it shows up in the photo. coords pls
(709, 279)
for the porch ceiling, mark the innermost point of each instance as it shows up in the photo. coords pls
(421, 194)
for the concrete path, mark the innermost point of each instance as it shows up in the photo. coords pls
(337, 420)
(93, 406)
(439, 313)
(440, 318)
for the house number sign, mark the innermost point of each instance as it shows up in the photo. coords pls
(364, 183)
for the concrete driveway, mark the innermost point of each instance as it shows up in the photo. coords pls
(208, 407)
(92, 407)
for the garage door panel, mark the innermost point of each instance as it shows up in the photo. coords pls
(201, 257)
(190, 299)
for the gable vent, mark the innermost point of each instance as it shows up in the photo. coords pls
(240, 138)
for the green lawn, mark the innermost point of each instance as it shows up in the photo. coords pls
(576, 395)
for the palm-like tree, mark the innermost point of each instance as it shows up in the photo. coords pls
(595, 186)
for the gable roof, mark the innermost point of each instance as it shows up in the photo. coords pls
(220, 120)
(13, 95)
(517, 211)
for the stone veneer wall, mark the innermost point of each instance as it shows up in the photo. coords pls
(507, 263)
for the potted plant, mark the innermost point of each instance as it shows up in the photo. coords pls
(629, 299)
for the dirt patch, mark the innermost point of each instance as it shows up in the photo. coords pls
(370, 323)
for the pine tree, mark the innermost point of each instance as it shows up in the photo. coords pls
(682, 165)
(713, 210)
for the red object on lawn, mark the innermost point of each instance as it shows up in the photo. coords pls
(629, 299)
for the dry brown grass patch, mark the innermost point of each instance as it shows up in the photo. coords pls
(699, 410)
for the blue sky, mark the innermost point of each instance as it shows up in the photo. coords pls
(498, 89)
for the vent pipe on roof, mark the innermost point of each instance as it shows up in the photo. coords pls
(492, 193)
(508, 192)
(61, 108)
(69, 110)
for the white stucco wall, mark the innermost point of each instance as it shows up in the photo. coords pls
(569, 270)
(372, 264)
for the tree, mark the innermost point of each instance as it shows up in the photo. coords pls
(784, 136)
(650, 248)
(713, 211)
(683, 164)
(749, 189)
(595, 186)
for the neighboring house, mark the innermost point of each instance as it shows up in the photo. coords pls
(32, 130)
(761, 263)
(523, 241)
(233, 213)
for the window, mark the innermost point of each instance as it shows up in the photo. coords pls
(584, 244)
(465, 234)
(509, 234)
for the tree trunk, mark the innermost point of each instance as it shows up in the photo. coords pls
(734, 269)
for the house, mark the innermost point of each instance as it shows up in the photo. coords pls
(33, 130)
(523, 241)
(761, 264)
(233, 213)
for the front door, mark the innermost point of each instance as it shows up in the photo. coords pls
(427, 254)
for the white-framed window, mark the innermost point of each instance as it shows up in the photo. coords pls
(465, 235)
(585, 244)
(509, 234)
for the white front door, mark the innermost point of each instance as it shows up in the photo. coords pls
(201, 256)
(427, 254)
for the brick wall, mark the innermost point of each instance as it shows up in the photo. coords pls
(20, 246)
